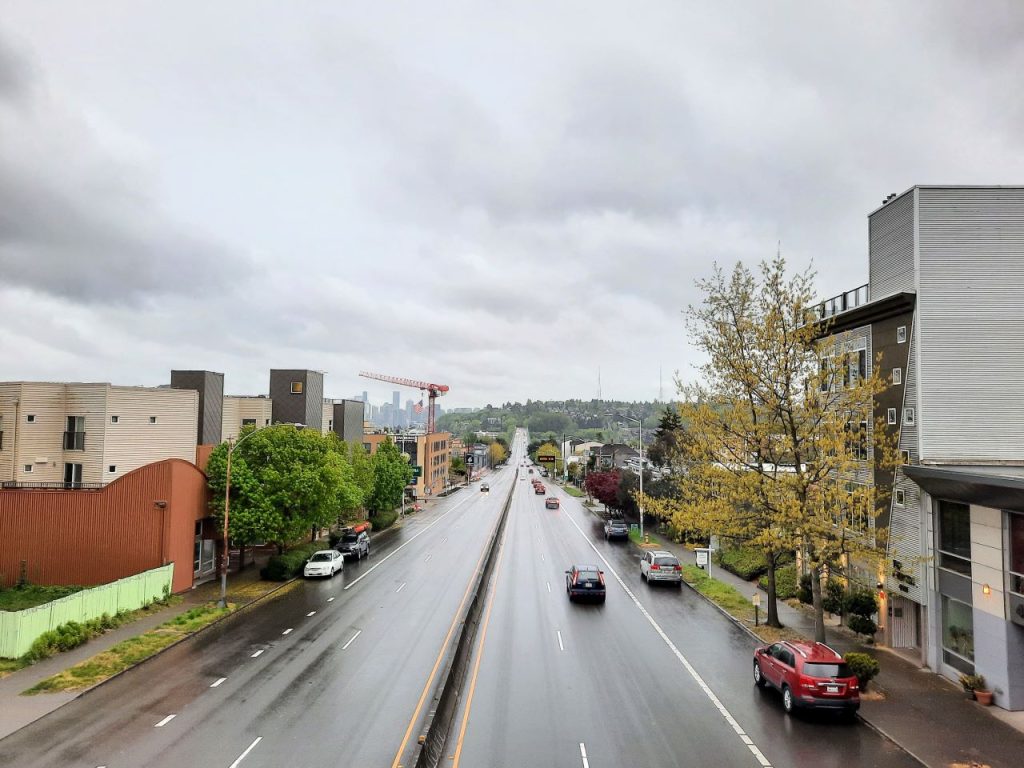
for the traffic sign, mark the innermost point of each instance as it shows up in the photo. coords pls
(546, 459)
(417, 471)
(470, 458)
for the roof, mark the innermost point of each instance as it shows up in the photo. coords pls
(970, 486)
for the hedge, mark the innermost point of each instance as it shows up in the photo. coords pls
(748, 563)
(383, 520)
(785, 582)
(291, 563)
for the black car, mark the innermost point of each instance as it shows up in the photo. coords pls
(585, 582)
(354, 545)
(616, 529)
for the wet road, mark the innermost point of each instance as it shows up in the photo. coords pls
(328, 673)
(654, 677)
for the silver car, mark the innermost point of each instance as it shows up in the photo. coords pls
(659, 565)
(355, 545)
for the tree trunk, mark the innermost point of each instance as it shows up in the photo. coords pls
(819, 611)
(773, 608)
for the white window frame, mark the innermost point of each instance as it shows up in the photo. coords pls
(909, 417)
(899, 497)
(905, 456)
(30, 418)
(28, 468)
(892, 416)
(115, 419)
(901, 335)
(897, 376)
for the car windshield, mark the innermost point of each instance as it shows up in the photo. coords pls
(617, 524)
(827, 670)
(665, 561)
(320, 557)
(350, 537)
(586, 575)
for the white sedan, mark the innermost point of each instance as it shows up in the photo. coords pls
(326, 562)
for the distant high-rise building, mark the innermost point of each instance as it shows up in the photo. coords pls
(396, 408)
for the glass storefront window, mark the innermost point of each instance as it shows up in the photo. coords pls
(955, 536)
(957, 635)
(1016, 553)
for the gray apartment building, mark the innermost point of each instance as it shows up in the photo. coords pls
(942, 308)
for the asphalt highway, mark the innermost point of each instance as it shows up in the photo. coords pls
(654, 677)
(329, 673)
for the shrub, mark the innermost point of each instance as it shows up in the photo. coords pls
(785, 582)
(284, 566)
(833, 597)
(383, 520)
(746, 562)
(861, 602)
(973, 682)
(863, 666)
(862, 625)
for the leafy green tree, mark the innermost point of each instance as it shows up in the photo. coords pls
(498, 453)
(391, 473)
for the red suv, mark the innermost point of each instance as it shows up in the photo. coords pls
(810, 675)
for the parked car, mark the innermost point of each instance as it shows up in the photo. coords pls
(326, 562)
(616, 529)
(585, 581)
(551, 502)
(659, 565)
(540, 489)
(809, 675)
(357, 544)
(485, 488)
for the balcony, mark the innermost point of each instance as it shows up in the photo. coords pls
(844, 302)
(17, 485)
(74, 441)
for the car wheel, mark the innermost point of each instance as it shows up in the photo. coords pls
(643, 576)
(787, 700)
(758, 677)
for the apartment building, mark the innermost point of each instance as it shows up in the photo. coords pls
(89, 434)
(430, 453)
(946, 279)
(298, 397)
(241, 411)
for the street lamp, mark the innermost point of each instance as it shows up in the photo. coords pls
(223, 602)
(640, 504)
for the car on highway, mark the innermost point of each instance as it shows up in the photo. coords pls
(540, 490)
(551, 502)
(530, 471)
(485, 488)
(354, 544)
(585, 582)
(616, 528)
(659, 565)
(326, 562)
(809, 676)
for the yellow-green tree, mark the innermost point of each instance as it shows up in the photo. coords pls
(777, 429)
(550, 449)
(498, 453)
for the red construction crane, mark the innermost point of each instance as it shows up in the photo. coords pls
(433, 391)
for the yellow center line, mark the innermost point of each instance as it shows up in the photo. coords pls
(433, 672)
(479, 654)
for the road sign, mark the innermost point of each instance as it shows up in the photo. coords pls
(546, 459)
(702, 557)
(417, 471)
(470, 458)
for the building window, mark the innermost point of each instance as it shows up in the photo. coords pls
(904, 457)
(909, 417)
(248, 422)
(296, 387)
(152, 419)
(954, 536)
(857, 367)
(892, 416)
(900, 497)
(74, 435)
(112, 468)
(901, 334)
(856, 440)
(114, 419)
(28, 468)
(897, 375)
(1016, 551)
(30, 418)
(957, 635)
(330, 424)
(73, 475)
(266, 422)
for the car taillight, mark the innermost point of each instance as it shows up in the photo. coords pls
(601, 577)
(655, 567)
(679, 567)
(808, 683)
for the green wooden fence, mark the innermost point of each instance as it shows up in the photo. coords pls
(19, 629)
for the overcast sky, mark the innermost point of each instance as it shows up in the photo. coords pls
(504, 201)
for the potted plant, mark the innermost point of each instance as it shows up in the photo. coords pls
(976, 689)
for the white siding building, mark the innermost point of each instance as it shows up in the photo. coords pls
(243, 411)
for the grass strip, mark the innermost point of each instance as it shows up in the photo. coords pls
(31, 595)
(130, 652)
(572, 490)
(652, 541)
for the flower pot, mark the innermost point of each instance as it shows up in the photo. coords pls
(983, 697)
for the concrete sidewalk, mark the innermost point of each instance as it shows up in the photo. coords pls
(926, 714)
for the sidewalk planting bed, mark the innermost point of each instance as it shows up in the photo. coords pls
(736, 604)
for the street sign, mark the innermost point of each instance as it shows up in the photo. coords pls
(546, 459)
(702, 557)
(470, 458)
(417, 471)
(756, 599)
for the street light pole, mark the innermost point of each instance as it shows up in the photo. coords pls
(640, 504)
(223, 602)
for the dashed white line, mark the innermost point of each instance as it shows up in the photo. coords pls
(257, 653)
(561, 647)
(248, 749)
(330, 599)
(583, 755)
(351, 640)
(726, 715)
(217, 682)
(548, 583)
(165, 721)
(288, 631)
(311, 613)
(406, 544)
(400, 587)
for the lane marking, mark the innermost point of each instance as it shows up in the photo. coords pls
(257, 653)
(444, 539)
(726, 715)
(288, 631)
(437, 663)
(427, 558)
(561, 647)
(480, 649)
(400, 587)
(548, 583)
(583, 754)
(311, 613)
(406, 544)
(330, 599)
(165, 721)
(542, 559)
(351, 640)
(248, 749)
(216, 683)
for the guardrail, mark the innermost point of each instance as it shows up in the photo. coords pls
(437, 725)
